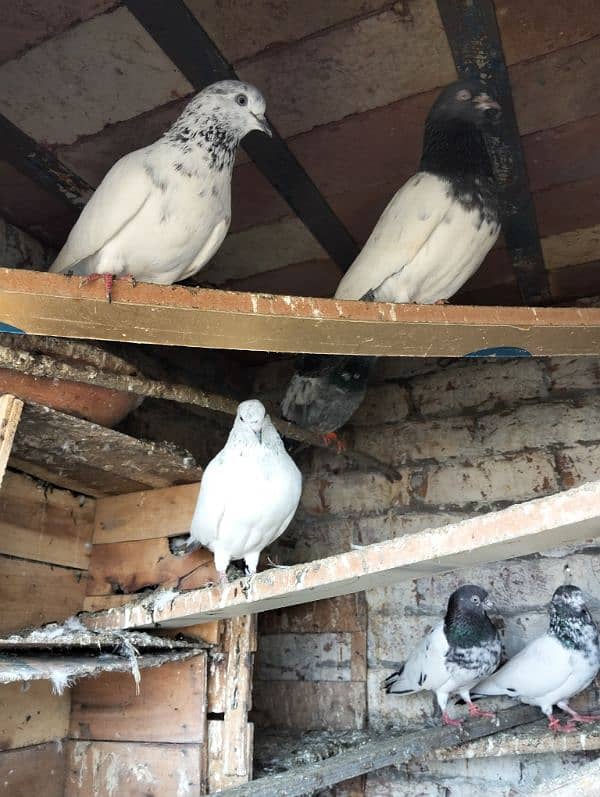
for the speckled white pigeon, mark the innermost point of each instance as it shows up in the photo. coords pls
(249, 492)
(162, 212)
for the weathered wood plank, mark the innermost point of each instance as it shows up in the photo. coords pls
(39, 769)
(171, 705)
(310, 705)
(238, 699)
(133, 566)
(140, 516)
(521, 529)
(392, 750)
(127, 769)
(51, 304)
(32, 593)
(346, 613)
(84, 457)
(217, 778)
(43, 524)
(32, 717)
(10, 413)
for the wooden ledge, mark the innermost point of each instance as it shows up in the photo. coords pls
(39, 303)
(522, 529)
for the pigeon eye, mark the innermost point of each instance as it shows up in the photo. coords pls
(463, 95)
(241, 99)
(475, 599)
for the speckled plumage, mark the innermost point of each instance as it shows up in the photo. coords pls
(162, 212)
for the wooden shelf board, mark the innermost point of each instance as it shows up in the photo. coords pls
(81, 456)
(522, 529)
(50, 304)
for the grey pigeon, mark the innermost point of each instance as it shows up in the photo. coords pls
(455, 655)
(556, 666)
(162, 212)
(248, 494)
(433, 235)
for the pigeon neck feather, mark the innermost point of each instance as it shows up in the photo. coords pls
(454, 148)
(200, 134)
(468, 628)
(574, 630)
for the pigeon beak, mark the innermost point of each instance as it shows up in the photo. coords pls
(488, 604)
(263, 125)
(491, 108)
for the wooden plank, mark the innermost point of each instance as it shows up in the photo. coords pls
(346, 613)
(238, 691)
(148, 514)
(133, 566)
(10, 413)
(217, 779)
(474, 37)
(520, 530)
(310, 705)
(171, 705)
(52, 304)
(32, 717)
(393, 749)
(39, 769)
(43, 524)
(127, 769)
(82, 456)
(32, 593)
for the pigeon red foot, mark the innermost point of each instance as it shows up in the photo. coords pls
(554, 724)
(332, 439)
(108, 282)
(475, 711)
(447, 720)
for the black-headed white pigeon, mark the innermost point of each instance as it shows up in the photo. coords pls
(162, 212)
(433, 235)
(248, 494)
(556, 666)
(455, 655)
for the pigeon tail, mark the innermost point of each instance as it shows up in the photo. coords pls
(394, 683)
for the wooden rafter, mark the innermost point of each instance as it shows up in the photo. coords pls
(474, 38)
(522, 529)
(51, 304)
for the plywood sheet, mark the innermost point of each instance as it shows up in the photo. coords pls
(127, 769)
(44, 524)
(35, 770)
(10, 412)
(32, 716)
(171, 705)
(51, 304)
(32, 593)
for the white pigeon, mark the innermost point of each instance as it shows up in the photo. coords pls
(162, 212)
(454, 656)
(433, 235)
(248, 494)
(556, 666)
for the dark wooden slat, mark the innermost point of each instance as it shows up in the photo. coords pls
(474, 38)
(32, 160)
(172, 25)
(392, 750)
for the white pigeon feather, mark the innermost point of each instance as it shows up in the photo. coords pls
(162, 212)
(249, 491)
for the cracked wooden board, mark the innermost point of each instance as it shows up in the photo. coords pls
(522, 529)
(51, 304)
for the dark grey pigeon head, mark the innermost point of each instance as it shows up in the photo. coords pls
(467, 101)
(466, 622)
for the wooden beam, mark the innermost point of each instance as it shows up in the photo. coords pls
(175, 29)
(90, 459)
(39, 164)
(474, 38)
(522, 529)
(393, 749)
(10, 414)
(52, 304)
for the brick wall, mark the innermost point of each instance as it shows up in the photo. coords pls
(466, 437)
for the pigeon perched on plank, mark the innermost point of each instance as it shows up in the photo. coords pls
(555, 666)
(162, 212)
(455, 655)
(248, 494)
(433, 235)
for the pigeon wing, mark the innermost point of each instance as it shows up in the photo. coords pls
(212, 502)
(425, 668)
(116, 201)
(543, 666)
(411, 217)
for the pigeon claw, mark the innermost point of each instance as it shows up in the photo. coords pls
(331, 438)
(447, 720)
(108, 283)
(554, 724)
(475, 711)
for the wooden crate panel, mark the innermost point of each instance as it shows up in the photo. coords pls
(33, 716)
(37, 770)
(171, 705)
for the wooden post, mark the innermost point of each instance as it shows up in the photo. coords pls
(10, 413)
